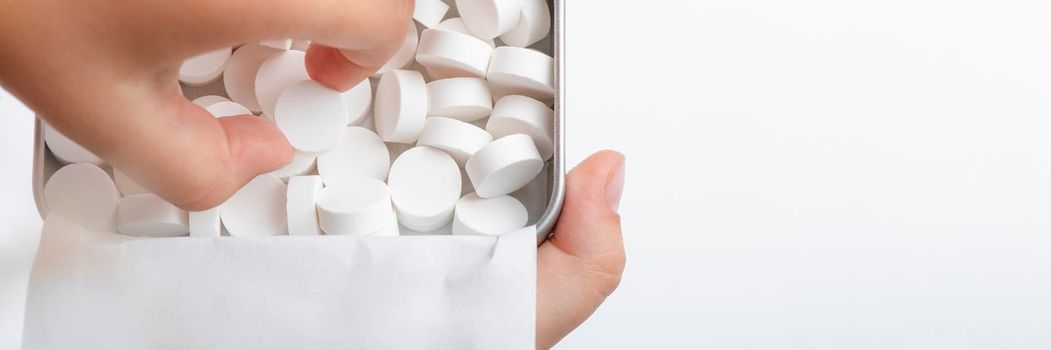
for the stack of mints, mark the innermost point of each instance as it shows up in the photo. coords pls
(438, 139)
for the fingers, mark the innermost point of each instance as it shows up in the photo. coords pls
(583, 262)
(186, 155)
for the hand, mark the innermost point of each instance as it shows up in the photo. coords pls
(582, 263)
(105, 73)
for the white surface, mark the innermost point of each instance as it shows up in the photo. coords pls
(489, 18)
(534, 24)
(84, 194)
(204, 68)
(518, 114)
(303, 194)
(208, 100)
(456, 24)
(430, 12)
(240, 74)
(223, 109)
(424, 186)
(277, 73)
(519, 71)
(448, 54)
(459, 139)
(488, 216)
(301, 164)
(358, 207)
(312, 116)
(406, 53)
(67, 150)
(147, 215)
(206, 223)
(466, 99)
(361, 153)
(358, 102)
(504, 166)
(811, 174)
(257, 209)
(400, 106)
(102, 292)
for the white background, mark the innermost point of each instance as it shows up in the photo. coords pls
(810, 174)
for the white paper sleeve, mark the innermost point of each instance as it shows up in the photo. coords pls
(104, 291)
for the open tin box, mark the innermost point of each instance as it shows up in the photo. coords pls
(543, 198)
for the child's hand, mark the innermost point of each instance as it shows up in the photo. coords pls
(105, 73)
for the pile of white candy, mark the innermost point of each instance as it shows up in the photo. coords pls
(468, 104)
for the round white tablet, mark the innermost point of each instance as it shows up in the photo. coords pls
(504, 166)
(206, 223)
(392, 230)
(223, 109)
(488, 216)
(518, 71)
(489, 18)
(456, 24)
(402, 58)
(359, 207)
(84, 194)
(358, 101)
(517, 114)
(425, 185)
(280, 71)
(466, 99)
(204, 68)
(208, 100)
(301, 164)
(534, 24)
(147, 215)
(240, 74)
(126, 185)
(258, 209)
(461, 140)
(430, 12)
(312, 116)
(280, 44)
(448, 54)
(361, 154)
(66, 150)
(401, 106)
(303, 192)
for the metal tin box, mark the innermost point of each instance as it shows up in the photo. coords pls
(45, 164)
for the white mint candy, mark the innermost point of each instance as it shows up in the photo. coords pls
(448, 54)
(312, 116)
(301, 164)
(66, 150)
(223, 109)
(477, 216)
(208, 100)
(403, 58)
(280, 44)
(303, 192)
(204, 68)
(358, 101)
(456, 24)
(430, 12)
(84, 194)
(523, 115)
(518, 71)
(257, 209)
(489, 18)
(461, 140)
(393, 230)
(424, 185)
(504, 166)
(126, 185)
(240, 75)
(147, 215)
(360, 207)
(277, 73)
(401, 106)
(361, 154)
(534, 24)
(466, 99)
(206, 223)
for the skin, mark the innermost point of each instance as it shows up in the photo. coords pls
(105, 73)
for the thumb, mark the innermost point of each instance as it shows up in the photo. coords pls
(193, 159)
(582, 263)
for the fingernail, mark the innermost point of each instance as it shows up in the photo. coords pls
(615, 187)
